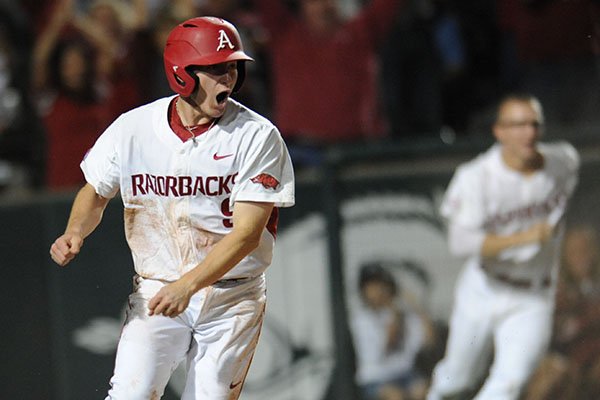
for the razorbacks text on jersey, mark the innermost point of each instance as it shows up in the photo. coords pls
(477, 198)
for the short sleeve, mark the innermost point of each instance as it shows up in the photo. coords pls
(100, 165)
(573, 163)
(463, 201)
(267, 174)
(573, 157)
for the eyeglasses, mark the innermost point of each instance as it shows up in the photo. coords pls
(216, 69)
(520, 124)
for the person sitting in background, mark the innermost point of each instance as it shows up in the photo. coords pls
(388, 335)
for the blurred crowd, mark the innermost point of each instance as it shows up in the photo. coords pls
(326, 71)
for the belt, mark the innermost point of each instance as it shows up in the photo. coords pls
(222, 283)
(225, 283)
(520, 283)
(516, 282)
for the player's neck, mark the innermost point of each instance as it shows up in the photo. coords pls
(525, 166)
(191, 116)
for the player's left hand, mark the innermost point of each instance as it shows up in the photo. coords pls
(65, 248)
(170, 300)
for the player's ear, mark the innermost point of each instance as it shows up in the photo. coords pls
(497, 131)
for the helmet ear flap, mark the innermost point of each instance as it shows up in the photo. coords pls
(185, 80)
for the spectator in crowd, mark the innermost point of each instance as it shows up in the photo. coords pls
(66, 86)
(388, 335)
(571, 370)
(110, 26)
(323, 68)
(88, 49)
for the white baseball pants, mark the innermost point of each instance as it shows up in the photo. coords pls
(490, 317)
(217, 335)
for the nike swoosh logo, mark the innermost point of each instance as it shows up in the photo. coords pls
(234, 385)
(218, 157)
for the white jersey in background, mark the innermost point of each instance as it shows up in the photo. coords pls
(504, 303)
(478, 199)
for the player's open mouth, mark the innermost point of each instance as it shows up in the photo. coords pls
(222, 97)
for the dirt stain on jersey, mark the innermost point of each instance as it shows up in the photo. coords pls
(197, 245)
(164, 239)
(151, 236)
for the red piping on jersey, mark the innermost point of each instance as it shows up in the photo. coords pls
(179, 129)
(273, 220)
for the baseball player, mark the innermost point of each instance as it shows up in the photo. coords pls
(201, 178)
(505, 212)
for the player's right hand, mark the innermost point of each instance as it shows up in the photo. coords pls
(541, 232)
(65, 248)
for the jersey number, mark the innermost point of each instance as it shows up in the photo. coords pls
(226, 210)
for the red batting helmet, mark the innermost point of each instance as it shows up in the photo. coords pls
(201, 41)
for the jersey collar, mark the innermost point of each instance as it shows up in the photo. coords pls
(179, 129)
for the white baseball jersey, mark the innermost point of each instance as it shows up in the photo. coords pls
(178, 196)
(487, 196)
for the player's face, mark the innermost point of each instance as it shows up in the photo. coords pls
(518, 128)
(73, 68)
(216, 84)
(320, 14)
(377, 294)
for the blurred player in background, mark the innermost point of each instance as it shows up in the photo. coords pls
(505, 212)
(201, 177)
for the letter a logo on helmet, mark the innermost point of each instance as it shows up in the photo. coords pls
(224, 40)
(192, 43)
